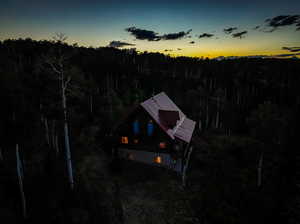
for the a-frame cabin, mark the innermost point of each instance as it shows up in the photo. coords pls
(156, 132)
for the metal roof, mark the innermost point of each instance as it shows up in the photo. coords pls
(184, 128)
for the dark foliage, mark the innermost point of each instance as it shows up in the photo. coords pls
(245, 108)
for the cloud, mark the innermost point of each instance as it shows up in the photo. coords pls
(291, 49)
(239, 34)
(150, 35)
(283, 20)
(118, 44)
(179, 49)
(229, 30)
(286, 55)
(192, 42)
(206, 35)
(166, 50)
(142, 34)
(257, 27)
(258, 56)
(175, 36)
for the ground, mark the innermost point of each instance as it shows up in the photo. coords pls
(145, 194)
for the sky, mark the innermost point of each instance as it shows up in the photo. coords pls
(208, 28)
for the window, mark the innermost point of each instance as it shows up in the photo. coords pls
(124, 140)
(162, 145)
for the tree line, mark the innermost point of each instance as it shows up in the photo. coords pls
(59, 101)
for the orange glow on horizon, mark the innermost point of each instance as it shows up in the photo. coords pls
(212, 54)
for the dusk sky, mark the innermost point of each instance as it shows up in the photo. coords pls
(208, 28)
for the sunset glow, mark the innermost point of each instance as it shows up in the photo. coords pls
(179, 26)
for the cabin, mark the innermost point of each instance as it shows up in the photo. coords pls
(157, 133)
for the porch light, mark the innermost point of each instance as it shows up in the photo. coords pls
(157, 159)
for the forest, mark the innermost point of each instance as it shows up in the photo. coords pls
(60, 103)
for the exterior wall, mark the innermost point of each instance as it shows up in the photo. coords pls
(149, 158)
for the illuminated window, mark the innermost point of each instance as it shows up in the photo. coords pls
(162, 145)
(124, 140)
(135, 141)
(150, 128)
(157, 159)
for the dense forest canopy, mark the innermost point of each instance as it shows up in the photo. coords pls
(245, 167)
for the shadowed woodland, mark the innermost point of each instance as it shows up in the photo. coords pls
(245, 163)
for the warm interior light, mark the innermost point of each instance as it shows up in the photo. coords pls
(162, 145)
(157, 159)
(124, 140)
(135, 141)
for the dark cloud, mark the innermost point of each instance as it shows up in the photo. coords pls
(286, 55)
(179, 49)
(175, 36)
(150, 35)
(282, 55)
(239, 34)
(291, 49)
(229, 30)
(142, 34)
(258, 56)
(206, 35)
(192, 42)
(166, 50)
(118, 44)
(283, 20)
(257, 27)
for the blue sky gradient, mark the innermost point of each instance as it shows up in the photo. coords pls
(97, 23)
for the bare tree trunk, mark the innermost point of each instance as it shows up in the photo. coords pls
(259, 170)
(56, 144)
(57, 65)
(20, 179)
(186, 166)
(228, 132)
(42, 116)
(66, 132)
(199, 125)
(53, 134)
(47, 131)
